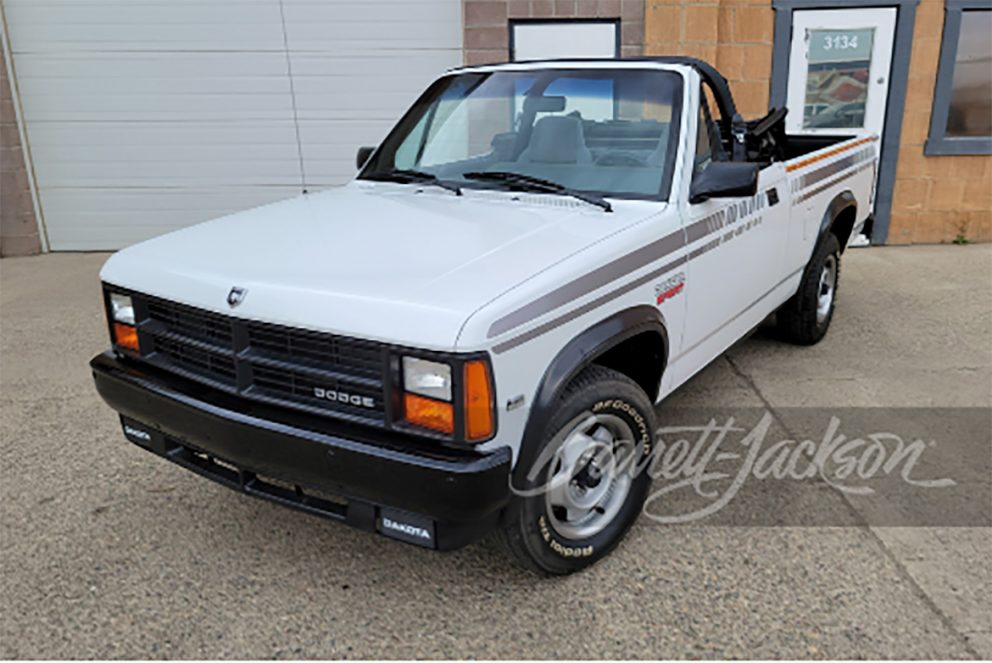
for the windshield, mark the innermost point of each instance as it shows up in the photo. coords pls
(610, 132)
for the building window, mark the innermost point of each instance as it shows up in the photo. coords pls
(961, 121)
(532, 39)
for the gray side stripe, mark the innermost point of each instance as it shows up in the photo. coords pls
(592, 281)
(820, 189)
(703, 249)
(609, 273)
(585, 308)
(810, 179)
(815, 176)
(705, 226)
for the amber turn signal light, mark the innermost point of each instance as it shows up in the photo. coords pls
(478, 402)
(429, 413)
(126, 336)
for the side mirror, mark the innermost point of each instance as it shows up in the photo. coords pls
(724, 179)
(363, 156)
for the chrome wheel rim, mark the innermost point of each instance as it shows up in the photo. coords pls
(591, 475)
(825, 293)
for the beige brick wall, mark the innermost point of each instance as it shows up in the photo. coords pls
(937, 198)
(18, 228)
(487, 35)
(733, 35)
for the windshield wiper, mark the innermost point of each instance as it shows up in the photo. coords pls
(419, 176)
(528, 182)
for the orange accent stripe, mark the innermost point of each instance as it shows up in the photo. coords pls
(830, 153)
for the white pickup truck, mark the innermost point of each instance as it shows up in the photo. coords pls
(473, 334)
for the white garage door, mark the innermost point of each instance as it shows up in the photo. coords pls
(144, 116)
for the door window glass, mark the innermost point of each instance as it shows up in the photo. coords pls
(704, 148)
(838, 78)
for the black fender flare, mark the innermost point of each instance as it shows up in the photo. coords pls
(842, 201)
(571, 359)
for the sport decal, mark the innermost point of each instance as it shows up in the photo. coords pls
(669, 288)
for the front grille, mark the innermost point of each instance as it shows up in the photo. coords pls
(302, 388)
(320, 373)
(214, 365)
(348, 355)
(192, 322)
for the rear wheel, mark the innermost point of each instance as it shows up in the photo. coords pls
(588, 484)
(805, 318)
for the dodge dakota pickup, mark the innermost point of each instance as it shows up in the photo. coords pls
(473, 335)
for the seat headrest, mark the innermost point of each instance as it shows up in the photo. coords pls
(557, 139)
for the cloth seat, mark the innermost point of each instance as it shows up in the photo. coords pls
(557, 139)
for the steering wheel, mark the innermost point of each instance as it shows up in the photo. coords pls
(619, 159)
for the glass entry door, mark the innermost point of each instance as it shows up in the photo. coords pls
(839, 70)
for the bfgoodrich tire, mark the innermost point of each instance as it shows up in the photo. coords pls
(805, 318)
(588, 484)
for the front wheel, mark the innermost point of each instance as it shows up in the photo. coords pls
(805, 318)
(588, 483)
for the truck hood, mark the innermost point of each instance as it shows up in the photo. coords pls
(373, 260)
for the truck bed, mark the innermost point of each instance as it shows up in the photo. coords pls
(797, 146)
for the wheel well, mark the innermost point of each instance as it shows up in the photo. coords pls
(641, 358)
(843, 225)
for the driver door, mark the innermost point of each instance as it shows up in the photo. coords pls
(735, 251)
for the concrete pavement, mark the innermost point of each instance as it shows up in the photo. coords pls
(107, 551)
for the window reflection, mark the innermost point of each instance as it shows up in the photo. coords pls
(970, 110)
(837, 81)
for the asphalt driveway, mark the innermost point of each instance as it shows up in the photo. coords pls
(107, 551)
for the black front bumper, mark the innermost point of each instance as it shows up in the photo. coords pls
(409, 490)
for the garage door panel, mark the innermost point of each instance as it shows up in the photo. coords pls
(224, 135)
(108, 154)
(165, 174)
(123, 37)
(156, 87)
(329, 148)
(357, 67)
(371, 26)
(136, 12)
(136, 155)
(128, 202)
(138, 67)
(178, 84)
(311, 68)
(370, 11)
(115, 218)
(382, 87)
(323, 134)
(358, 38)
(106, 163)
(158, 107)
(356, 105)
(104, 25)
(149, 115)
(327, 173)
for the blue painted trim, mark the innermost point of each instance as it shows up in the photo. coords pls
(938, 142)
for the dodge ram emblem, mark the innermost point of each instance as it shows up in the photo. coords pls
(236, 296)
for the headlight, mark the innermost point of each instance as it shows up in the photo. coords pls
(122, 322)
(427, 378)
(121, 309)
(430, 401)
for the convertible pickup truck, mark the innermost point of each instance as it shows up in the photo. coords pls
(474, 334)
